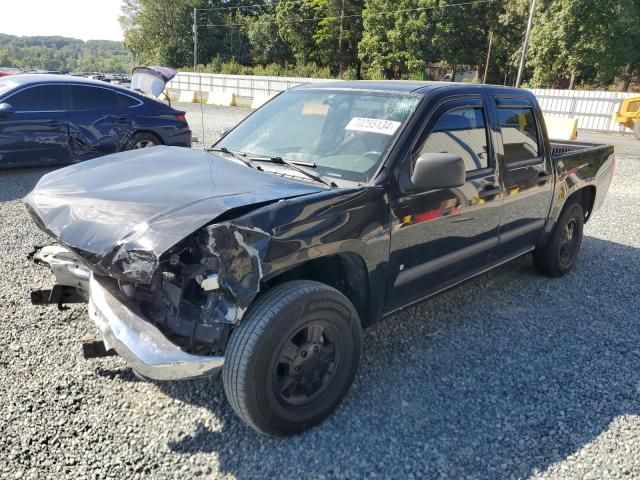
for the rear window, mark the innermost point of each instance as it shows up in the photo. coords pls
(42, 98)
(92, 98)
(519, 134)
(126, 101)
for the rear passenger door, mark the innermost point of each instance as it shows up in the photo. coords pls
(442, 236)
(98, 121)
(527, 175)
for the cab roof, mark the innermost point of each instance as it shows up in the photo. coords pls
(396, 86)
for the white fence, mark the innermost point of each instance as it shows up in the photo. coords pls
(593, 109)
(244, 86)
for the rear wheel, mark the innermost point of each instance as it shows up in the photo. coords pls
(143, 140)
(293, 358)
(560, 254)
(636, 129)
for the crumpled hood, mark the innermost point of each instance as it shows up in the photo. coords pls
(121, 212)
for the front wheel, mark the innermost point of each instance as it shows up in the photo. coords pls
(560, 254)
(293, 358)
(636, 129)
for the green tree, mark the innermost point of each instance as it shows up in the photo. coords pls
(298, 24)
(626, 37)
(64, 54)
(339, 34)
(267, 46)
(398, 40)
(461, 36)
(572, 41)
(156, 31)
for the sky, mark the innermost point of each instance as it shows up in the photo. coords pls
(84, 19)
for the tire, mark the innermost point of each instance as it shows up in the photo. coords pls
(636, 129)
(143, 140)
(280, 375)
(560, 254)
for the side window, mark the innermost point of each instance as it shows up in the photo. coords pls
(92, 98)
(461, 132)
(519, 134)
(124, 101)
(43, 98)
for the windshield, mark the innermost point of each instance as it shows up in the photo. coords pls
(345, 134)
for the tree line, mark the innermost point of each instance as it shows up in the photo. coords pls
(583, 43)
(63, 54)
(574, 42)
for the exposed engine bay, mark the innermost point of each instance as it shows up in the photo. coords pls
(201, 288)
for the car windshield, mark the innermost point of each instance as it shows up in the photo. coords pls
(344, 134)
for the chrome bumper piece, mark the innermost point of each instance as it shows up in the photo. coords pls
(142, 345)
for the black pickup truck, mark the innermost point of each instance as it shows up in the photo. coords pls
(327, 209)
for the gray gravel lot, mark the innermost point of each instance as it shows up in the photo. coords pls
(511, 375)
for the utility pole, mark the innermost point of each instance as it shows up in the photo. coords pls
(523, 59)
(195, 38)
(486, 67)
(341, 57)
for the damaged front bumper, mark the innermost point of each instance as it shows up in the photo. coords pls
(142, 345)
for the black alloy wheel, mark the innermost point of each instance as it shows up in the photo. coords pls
(292, 358)
(306, 364)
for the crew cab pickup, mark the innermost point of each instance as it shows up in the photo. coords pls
(327, 209)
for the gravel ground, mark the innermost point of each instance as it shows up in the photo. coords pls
(509, 376)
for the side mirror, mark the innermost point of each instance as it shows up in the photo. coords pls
(438, 170)
(6, 109)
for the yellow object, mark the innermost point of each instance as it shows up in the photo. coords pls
(315, 108)
(629, 113)
(226, 99)
(187, 96)
(559, 128)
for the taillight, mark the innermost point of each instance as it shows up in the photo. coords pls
(182, 118)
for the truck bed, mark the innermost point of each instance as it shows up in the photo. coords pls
(561, 148)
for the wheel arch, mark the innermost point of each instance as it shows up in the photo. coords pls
(586, 197)
(345, 271)
(146, 131)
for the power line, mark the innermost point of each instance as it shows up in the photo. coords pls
(360, 15)
(255, 5)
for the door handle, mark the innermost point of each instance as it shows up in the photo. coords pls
(543, 177)
(490, 192)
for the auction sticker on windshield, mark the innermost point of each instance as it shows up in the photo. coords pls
(373, 125)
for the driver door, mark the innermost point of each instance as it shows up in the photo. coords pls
(442, 236)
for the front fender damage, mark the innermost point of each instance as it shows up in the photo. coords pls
(239, 252)
(205, 284)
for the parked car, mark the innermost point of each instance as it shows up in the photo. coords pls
(329, 208)
(6, 71)
(54, 120)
